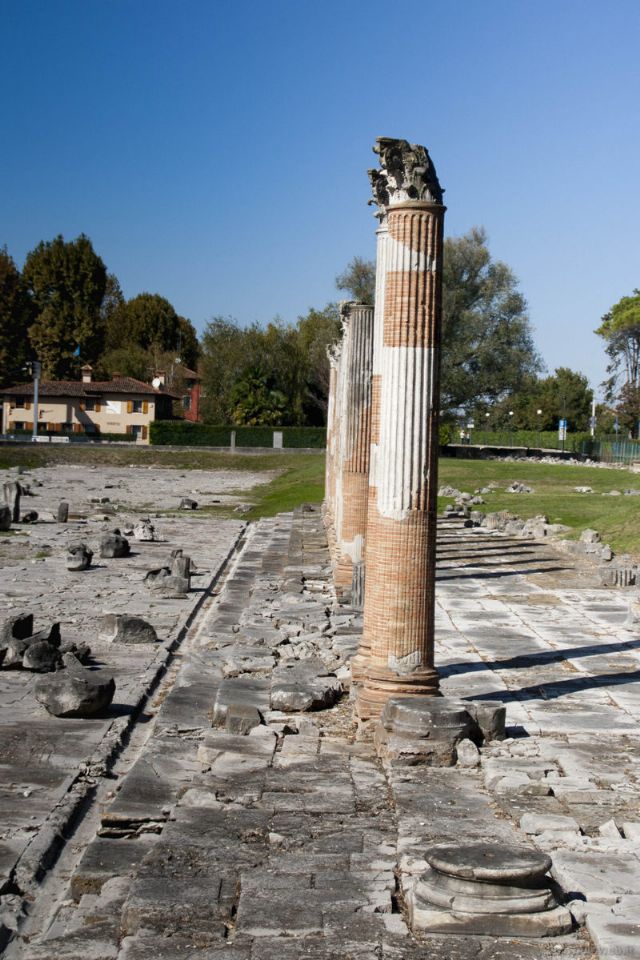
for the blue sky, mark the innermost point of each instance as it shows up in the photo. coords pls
(216, 152)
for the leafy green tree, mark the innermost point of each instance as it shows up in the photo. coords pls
(316, 330)
(258, 402)
(628, 409)
(67, 283)
(15, 317)
(565, 394)
(359, 279)
(620, 328)
(148, 324)
(487, 346)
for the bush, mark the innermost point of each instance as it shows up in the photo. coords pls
(183, 433)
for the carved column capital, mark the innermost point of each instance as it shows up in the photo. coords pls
(407, 173)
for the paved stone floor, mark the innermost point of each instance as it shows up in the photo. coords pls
(293, 840)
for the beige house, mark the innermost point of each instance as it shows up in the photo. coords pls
(119, 406)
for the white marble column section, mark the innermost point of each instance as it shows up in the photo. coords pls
(332, 455)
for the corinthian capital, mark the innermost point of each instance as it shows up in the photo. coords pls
(407, 173)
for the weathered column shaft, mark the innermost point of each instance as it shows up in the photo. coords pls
(354, 444)
(359, 661)
(401, 525)
(331, 470)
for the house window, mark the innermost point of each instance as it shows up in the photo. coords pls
(137, 406)
(67, 428)
(89, 405)
(186, 402)
(20, 403)
(18, 425)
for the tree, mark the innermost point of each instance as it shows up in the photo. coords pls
(316, 330)
(628, 409)
(620, 328)
(148, 328)
(67, 283)
(487, 346)
(359, 279)
(256, 401)
(565, 394)
(15, 317)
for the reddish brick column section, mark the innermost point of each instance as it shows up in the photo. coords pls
(360, 660)
(354, 445)
(401, 525)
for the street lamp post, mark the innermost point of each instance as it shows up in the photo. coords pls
(37, 370)
(539, 413)
(470, 427)
(510, 428)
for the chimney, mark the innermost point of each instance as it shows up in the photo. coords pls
(160, 379)
(87, 372)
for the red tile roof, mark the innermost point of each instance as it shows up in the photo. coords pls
(77, 388)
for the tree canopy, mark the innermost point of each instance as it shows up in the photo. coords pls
(620, 328)
(359, 279)
(487, 344)
(15, 318)
(66, 282)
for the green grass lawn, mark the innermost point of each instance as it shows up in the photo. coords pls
(617, 519)
(300, 478)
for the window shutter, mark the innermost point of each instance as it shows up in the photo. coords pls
(144, 433)
(98, 406)
(129, 406)
(129, 428)
(83, 405)
(27, 405)
(145, 406)
(77, 428)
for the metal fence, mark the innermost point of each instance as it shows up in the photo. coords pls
(612, 450)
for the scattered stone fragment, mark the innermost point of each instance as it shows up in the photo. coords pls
(41, 657)
(79, 556)
(590, 536)
(75, 692)
(467, 754)
(62, 513)
(583, 489)
(114, 545)
(617, 576)
(31, 516)
(517, 487)
(188, 504)
(12, 490)
(164, 584)
(17, 627)
(122, 628)
(5, 518)
(144, 530)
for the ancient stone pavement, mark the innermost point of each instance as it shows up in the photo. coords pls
(219, 835)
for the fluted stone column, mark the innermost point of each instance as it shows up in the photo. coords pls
(332, 455)
(401, 524)
(360, 660)
(354, 433)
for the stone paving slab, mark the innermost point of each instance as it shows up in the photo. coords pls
(48, 764)
(311, 851)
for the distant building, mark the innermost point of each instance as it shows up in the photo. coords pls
(190, 389)
(118, 406)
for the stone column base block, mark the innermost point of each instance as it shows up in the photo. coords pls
(499, 890)
(490, 717)
(381, 684)
(422, 730)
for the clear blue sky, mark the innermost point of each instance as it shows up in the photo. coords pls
(216, 152)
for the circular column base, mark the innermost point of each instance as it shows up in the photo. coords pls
(380, 684)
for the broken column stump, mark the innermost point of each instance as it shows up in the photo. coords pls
(489, 889)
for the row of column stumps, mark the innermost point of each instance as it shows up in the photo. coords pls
(396, 653)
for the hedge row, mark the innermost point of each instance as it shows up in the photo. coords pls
(183, 433)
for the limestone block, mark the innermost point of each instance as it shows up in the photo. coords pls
(79, 556)
(62, 513)
(113, 545)
(75, 692)
(122, 628)
(5, 518)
